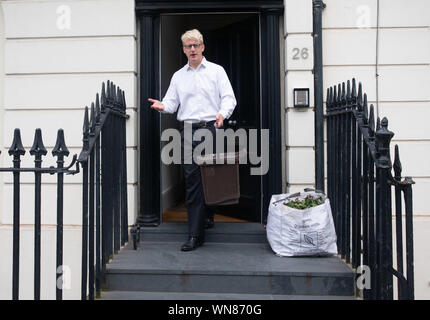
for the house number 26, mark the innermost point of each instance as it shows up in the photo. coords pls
(300, 54)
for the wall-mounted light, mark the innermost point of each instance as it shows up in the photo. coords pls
(301, 97)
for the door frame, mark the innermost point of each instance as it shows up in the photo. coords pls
(148, 16)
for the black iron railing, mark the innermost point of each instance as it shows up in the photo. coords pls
(359, 183)
(104, 186)
(37, 150)
(104, 205)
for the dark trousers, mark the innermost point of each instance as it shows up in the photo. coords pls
(197, 210)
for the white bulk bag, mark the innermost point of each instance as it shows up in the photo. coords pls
(294, 232)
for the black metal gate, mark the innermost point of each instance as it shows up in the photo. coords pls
(360, 182)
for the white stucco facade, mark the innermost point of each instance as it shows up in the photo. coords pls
(55, 55)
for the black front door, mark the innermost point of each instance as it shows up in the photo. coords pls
(148, 14)
(236, 48)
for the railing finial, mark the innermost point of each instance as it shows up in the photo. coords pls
(365, 110)
(354, 93)
(38, 148)
(108, 92)
(343, 96)
(92, 120)
(97, 110)
(328, 100)
(383, 139)
(124, 104)
(360, 98)
(334, 98)
(86, 128)
(113, 92)
(332, 105)
(118, 98)
(16, 149)
(103, 98)
(60, 149)
(397, 165)
(371, 123)
(348, 93)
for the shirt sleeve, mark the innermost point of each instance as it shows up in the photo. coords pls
(228, 100)
(171, 99)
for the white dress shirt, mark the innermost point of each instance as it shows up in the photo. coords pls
(202, 93)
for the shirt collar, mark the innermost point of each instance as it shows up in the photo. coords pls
(203, 63)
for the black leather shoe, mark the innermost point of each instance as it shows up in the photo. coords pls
(209, 223)
(192, 244)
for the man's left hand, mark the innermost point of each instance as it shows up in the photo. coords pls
(219, 121)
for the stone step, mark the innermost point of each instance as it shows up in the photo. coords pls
(225, 232)
(226, 268)
(140, 295)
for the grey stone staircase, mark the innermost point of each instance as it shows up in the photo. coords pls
(235, 263)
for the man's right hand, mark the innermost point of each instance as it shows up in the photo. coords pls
(157, 105)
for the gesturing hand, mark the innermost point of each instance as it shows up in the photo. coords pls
(219, 121)
(157, 105)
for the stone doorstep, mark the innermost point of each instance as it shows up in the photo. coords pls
(226, 268)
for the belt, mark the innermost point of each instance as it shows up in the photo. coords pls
(201, 124)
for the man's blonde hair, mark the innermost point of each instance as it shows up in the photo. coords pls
(192, 34)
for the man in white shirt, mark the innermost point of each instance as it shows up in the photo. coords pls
(205, 98)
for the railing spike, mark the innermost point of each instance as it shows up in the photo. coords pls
(334, 98)
(124, 104)
(16, 149)
(360, 98)
(343, 96)
(113, 91)
(92, 119)
(103, 97)
(354, 89)
(97, 110)
(354, 95)
(111, 95)
(86, 128)
(118, 97)
(328, 99)
(378, 123)
(60, 148)
(108, 91)
(121, 102)
(348, 92)
(331, 98)
(365, 108)
(339, 96)
(38, 148)
(397, 165)
(371, 123)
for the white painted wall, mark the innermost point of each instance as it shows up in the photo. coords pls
(1, 92)
(53, 68)
(299, 134)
